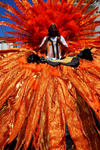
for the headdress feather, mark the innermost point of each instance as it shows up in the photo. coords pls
(32, 24)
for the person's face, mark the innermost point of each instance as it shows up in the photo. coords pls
(53, 30)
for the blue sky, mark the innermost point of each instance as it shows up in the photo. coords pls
(2, 10)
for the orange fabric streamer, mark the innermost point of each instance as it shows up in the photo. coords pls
(43, 99)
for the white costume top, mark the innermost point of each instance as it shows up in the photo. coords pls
(50, 54)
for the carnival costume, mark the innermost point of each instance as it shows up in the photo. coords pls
(37, 99)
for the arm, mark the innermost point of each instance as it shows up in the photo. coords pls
(44, 43)
(63, 44)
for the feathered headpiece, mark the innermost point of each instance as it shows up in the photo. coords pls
(32, 23)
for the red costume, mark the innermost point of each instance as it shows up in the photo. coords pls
(37, 100)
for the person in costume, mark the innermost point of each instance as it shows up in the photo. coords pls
(38, 97)
(53, 44)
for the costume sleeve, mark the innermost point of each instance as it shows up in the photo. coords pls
(43, 41)
(63, 41)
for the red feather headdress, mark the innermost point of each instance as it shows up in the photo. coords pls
(32, 23)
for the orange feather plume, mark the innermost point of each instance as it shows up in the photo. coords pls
(34, 21)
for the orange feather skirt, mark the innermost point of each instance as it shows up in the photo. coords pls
(38, 100)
